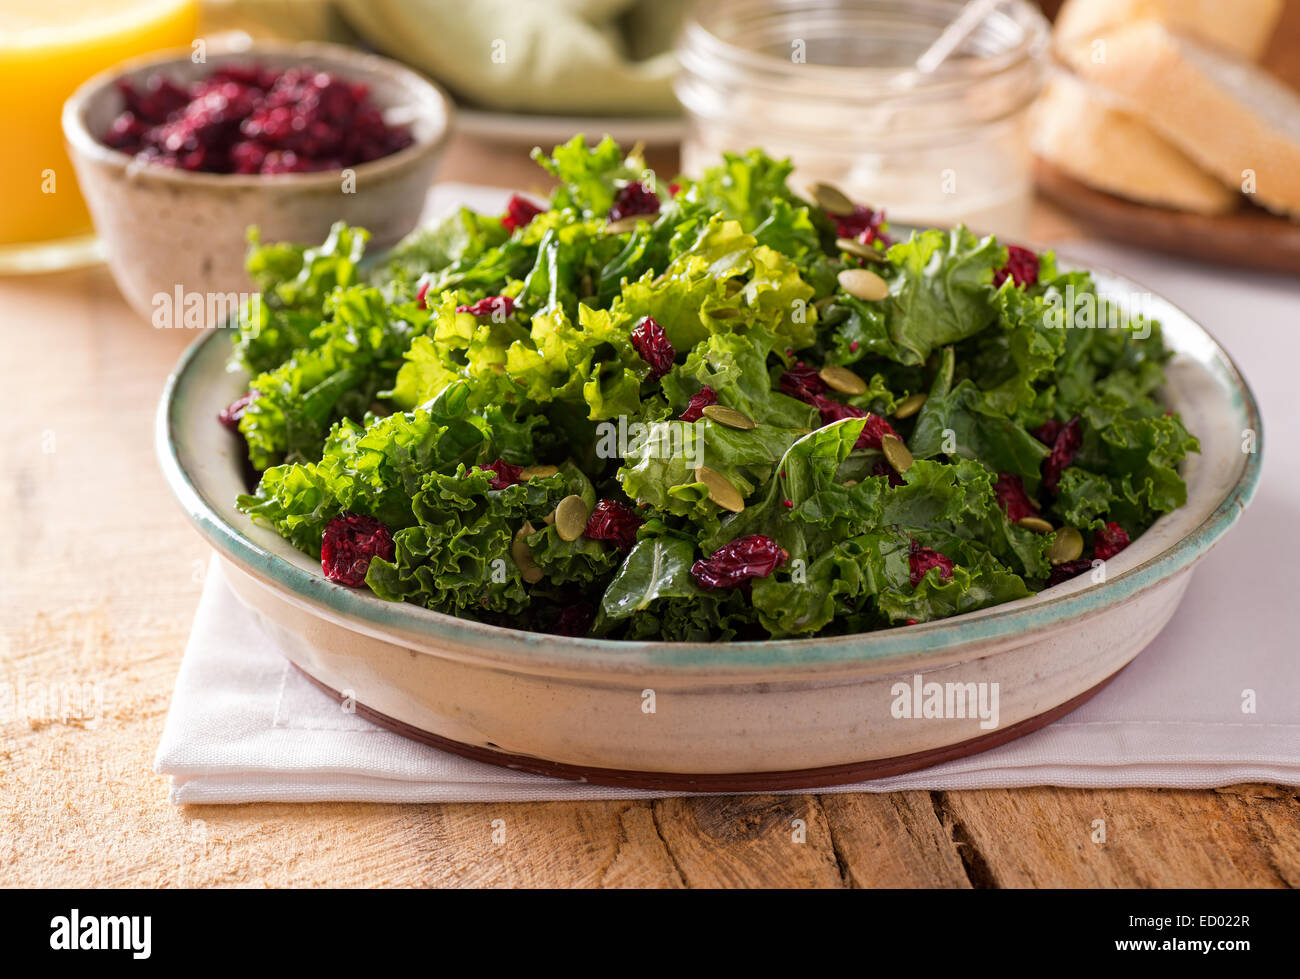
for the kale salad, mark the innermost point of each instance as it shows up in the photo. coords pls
(702, 410)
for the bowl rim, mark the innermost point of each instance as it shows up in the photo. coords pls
(79, 137)
(366, 613)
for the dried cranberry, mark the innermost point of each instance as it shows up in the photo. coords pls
(699, 401)
(864, 224)
(161, 97)
(349, 542)
(614, 522)
(231, 413)
(883, 468)
(247, 156)
(674, 189)
(1065, 447)
(126, 132)
(285, 161)
(652, 344)
(922, 559)
(246, 119)
(1015, 502)
(1109, 541)
(574, 620)
(733, 564)
(519, 213)
(1021, 267)
(422, 292)
(503, 474)
(1047, 432)
(1068, 570)
(631, 200)
(873, 432)
(248, 74)
(803, 382)
(834, 411)
(489, 306)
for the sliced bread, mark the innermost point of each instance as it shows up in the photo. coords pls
(1242, 27)
(1079, 130)
(1233, 119)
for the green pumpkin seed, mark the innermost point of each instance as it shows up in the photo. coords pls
(725, 313)
(1037, 524)
(863, 284)
(1068, 546)
(528, 569)
(896, 454)
(537, 472)
(858, 249)
(623, 225)
(721, 490)
(843, 380)
(831, 199)
(571, 517)
(910, 405)
(728, 416)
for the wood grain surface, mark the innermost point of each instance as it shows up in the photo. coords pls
(99, 578)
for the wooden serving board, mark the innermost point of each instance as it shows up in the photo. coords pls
(1249, 237)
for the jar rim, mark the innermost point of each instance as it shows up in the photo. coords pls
(703, 49)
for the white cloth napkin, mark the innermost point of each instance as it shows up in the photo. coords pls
(245, 726)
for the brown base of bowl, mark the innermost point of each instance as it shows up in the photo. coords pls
(805, 778)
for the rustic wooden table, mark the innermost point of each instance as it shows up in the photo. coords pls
(99, 577)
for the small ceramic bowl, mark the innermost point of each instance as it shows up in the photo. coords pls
(727, 716)
(166, 230)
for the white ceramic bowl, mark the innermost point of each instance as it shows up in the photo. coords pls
(729, 716)
(165, 229)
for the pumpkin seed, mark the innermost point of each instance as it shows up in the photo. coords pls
(910, 405)
(860, 250)
(849, 482)
(725, 313)
(896, 453)
(721, 490)
(624, 225)
(728, 416)
(571, 517)
(843, 380)
(863, 284)
(528, 569)
(537, 472)
(1067, 546)
(1037, 524)
(831, 199)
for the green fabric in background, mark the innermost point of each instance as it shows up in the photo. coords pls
(588, 57)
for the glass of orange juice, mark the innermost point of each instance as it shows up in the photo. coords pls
(47, 49)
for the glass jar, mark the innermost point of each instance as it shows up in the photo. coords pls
(832, 84)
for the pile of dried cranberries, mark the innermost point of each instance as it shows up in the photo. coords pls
(252, 119)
